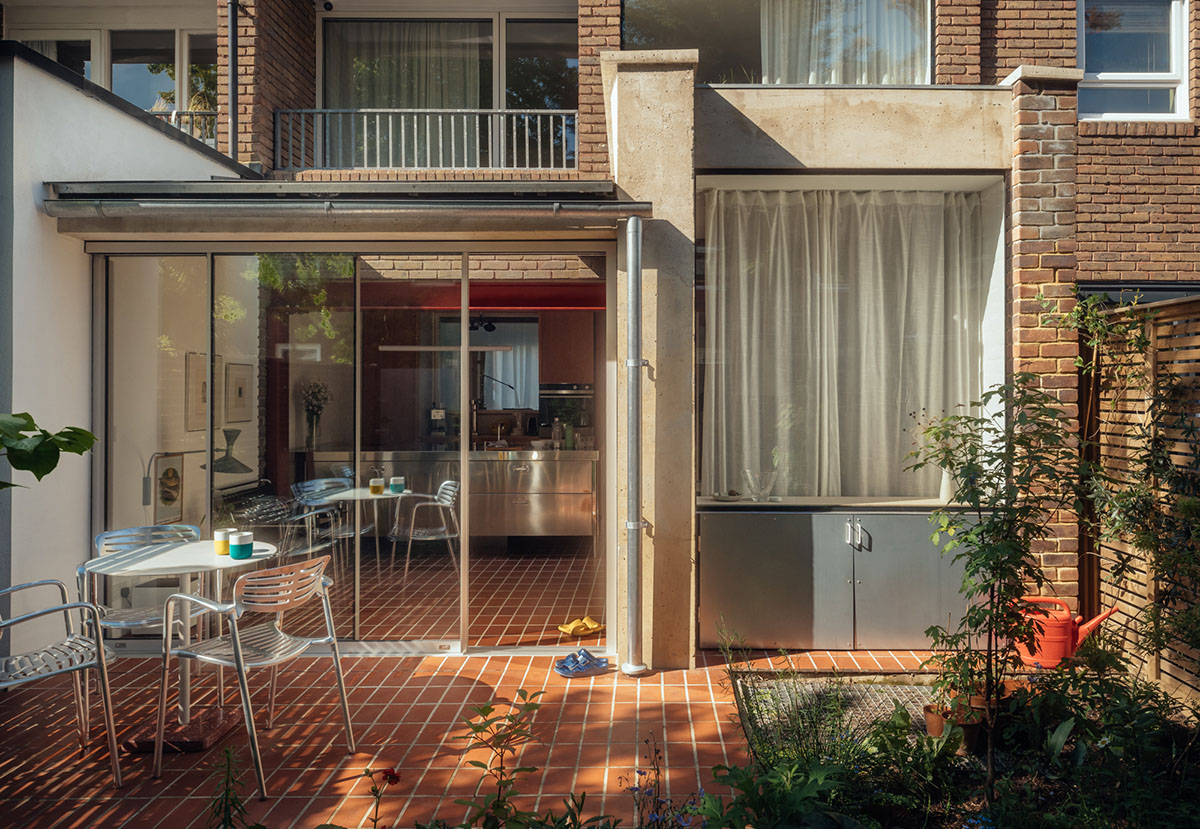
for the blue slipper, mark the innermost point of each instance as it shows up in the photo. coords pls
(584, 665)
(570, 660)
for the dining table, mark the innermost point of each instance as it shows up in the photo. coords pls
(183, 560)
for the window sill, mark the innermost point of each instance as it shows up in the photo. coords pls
(1165, 128)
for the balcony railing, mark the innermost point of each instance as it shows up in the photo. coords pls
(440, 139)
(199, 124)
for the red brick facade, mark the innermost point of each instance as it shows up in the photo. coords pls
(981, 41)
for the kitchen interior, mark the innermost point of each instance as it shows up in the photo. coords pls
(532, 422)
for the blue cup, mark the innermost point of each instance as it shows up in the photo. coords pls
(396, 485)
(241, 545)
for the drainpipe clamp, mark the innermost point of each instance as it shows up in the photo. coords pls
(631, 363)
(636, 525)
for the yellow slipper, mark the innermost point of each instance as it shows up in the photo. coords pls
(576, 628)
(593, 627)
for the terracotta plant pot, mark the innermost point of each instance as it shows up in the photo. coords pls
(971, 723)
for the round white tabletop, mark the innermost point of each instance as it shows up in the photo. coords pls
(362, 494)
(173, 559)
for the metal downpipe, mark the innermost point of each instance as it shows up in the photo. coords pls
(634, 524)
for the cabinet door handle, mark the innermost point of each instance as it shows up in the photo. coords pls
(521, 468)
(521, 501)
(850, 531)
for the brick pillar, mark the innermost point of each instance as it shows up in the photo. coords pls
(599, 30)
(956, 41)
(277, 59)
(1045, 118)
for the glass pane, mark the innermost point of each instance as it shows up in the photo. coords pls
(202, 73)
(537, 336)
(158, 403)
(1128, 36)
(789, 41)
(1100, 100)
(76, 55)
(411, 426)
(283, 325)
(407, 65)
(832, 322)
(542, 72)
(143, 68)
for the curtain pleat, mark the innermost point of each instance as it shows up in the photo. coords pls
(833, 320)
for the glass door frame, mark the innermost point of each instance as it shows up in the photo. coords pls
(591, 244)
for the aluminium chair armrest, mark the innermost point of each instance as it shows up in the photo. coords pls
(65, 608)
(224, 608)
(62, 588)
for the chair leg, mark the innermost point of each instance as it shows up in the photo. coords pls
(86, 713)
(161, 721)
(341, 684)
(408, 555)
(81, 701)
(252, 732)
(271, 698)
(450, 547)
(109, 725)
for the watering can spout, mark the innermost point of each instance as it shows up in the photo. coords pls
(1087, 627)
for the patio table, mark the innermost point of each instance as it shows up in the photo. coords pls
(180, 559)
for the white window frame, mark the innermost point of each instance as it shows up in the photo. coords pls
(97, 37)
(1176, 79)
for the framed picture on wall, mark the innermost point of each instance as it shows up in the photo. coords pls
(168, 489)
(239, 382)
(196, 391)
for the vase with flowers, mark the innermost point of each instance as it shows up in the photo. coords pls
(315, 395)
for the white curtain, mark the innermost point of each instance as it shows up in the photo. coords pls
(832, 320)
(845, 41)
(404, 64)
(517, 367)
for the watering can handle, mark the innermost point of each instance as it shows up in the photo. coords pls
(1047, 600)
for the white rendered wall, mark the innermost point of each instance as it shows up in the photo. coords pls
(61, 134)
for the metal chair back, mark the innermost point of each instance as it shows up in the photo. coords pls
(315, 491)
(128, 538)
(447, 494)
(280, 589)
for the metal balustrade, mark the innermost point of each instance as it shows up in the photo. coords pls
(199, 124)
(445, 139)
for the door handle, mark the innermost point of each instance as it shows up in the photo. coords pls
(521, 501)
(850, 532)
(522, 468)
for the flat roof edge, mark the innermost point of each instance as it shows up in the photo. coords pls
(234, 189)
(13, 50)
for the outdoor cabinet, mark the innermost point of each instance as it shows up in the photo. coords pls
(824, 580)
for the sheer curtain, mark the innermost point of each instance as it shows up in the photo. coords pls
(831, 318)
(845, 41)
(405, 64)
(517, 367)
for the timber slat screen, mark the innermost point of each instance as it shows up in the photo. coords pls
(1121, 417)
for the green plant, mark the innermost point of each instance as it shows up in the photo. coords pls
(1014, 459)
(779, 797)
(27, 446)
(228, 810)
(651, 804)
(502, 735)
(918, 765)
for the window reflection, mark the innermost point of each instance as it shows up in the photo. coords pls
(143, 68)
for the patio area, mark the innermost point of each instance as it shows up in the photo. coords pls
(406, 713)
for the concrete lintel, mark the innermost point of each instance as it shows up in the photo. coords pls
(652, 57)
(1030, 73)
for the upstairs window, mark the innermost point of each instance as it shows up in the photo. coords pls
(803, 42)
(1134, 59)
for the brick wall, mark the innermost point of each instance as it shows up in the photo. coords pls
(496, 266)
(1036, 32)
(277, 55)
(1043, 250)
(599, 31)
(956, 41)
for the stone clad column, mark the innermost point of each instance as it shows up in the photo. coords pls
(1045, 119)
(650, 105)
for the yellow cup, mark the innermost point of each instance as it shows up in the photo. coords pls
(221, 541)
(376, 486)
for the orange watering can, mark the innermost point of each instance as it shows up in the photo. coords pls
(1061, 632)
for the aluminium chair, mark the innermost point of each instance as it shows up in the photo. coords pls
(76, 654)
(443, 527)
(271, 591)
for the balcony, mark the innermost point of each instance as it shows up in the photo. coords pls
(424, 139)
(199, 124)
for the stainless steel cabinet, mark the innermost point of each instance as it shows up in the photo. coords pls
(776, 579)
(823, 579)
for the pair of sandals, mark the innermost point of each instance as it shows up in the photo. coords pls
(580, 663)
(587, 626)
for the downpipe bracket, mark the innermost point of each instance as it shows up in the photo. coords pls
(634, 363)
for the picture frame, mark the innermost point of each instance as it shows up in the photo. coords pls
(239, 390)
(195, 396)
(167, 482)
